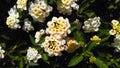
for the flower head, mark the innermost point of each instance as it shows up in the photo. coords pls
(38, 35)
(53, 46)
(115, 28)
(32, 54)
(71, 46)
(39, 10)
(95, 38)
(92, 25)
(58, 27)
(22, 4)
(12, 20)
(27, 25)
(92, 59)
(1, 53)
(66, 6)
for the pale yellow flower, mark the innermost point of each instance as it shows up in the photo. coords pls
(66, 2)
(95, 38)
(112, 32)
(21, 4)
(71, 46)
(115, 22)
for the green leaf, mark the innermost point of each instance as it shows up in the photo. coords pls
(83, 7)
(33, 64)
(100, 63)
(103, 32)
(3, 45)
(21, 63)
(75, 60)
(92, 45)
(42, 39)
(73, 28)
(79, 36)
(5, 37)
(90, 14)
(45, 56)
(32, 40)
(105, 39)
(117, 64)
(23, 51)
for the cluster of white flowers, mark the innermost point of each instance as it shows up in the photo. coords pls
(53, 46)
(116, 32)
(12, 20)
(1, 53)
(27, 25)
(117, 42)
(115, 28)
(92, 24)
(32, 54)
(38, 35)
(39, 10)
(21, 4)
(66, 6)
(58, 29)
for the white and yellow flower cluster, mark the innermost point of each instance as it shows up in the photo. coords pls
(38, 35)
(32, 54)
(115, 31)
(1, 53)
(66, 6)
(12, 20)
(57, 29)
(39, 10)
(92, 25)
(21, 4)
(53, 46)
(27, 25)
(115, 28)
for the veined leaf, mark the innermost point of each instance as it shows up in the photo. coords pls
(100, 63)
(75, 60)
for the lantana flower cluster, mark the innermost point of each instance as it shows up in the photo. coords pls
(39, 10)
(115, 31)
(57, 29)
(21, 4)
(13, 18)
(33, 55)
(1, 53)
(92, 25)
(66, 6)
